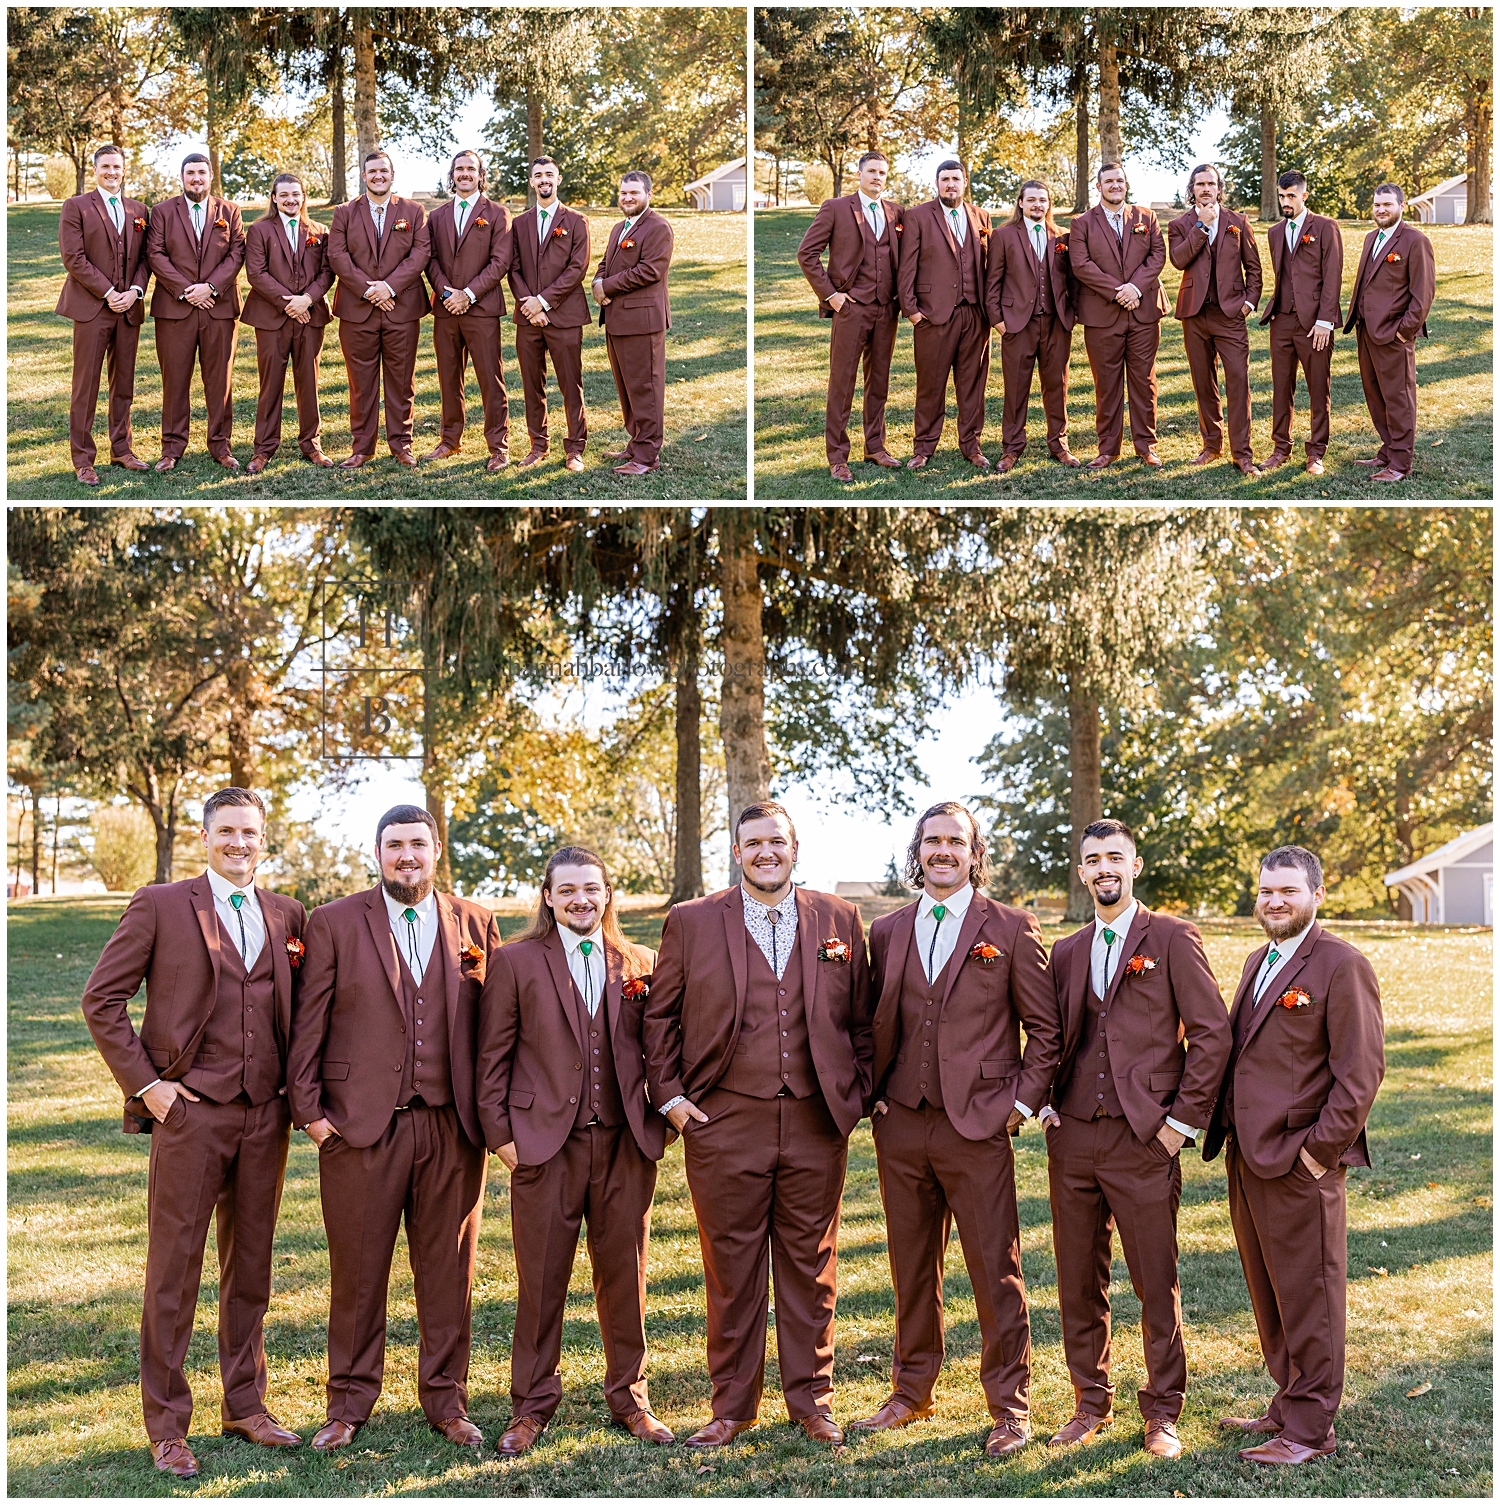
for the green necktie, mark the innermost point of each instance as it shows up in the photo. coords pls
(197, 223)
(1109, 941)
(463, 205)
(114, 213)
(1379, 241)
(238, 901)
(1271, 961)
(953, 215)
(587, 947)
(626, 230)
(1041, 249)
(938, 911)
(410, 916)
(541, 233)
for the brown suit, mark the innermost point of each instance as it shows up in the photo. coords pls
(1299, 1077)
(179, 259)
(477, 261)
(1388, 310)
(377, 345)
(941, 1145)
(767, 1169)
(1114, 1089)
(864, 329)
(1038, 316)
(636, 319)
(1307, 288)
(274, 274)
(944, 283)
(1218, 280)
(409, 1139)
(100, 259)
(554, 273)
(569, 1090)
(1121, 343)
(223, 1034)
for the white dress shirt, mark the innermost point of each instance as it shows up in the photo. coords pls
(1038, 241)
(115, 211)
(874, 214)
(958, 222)
(936, 938)
(198, 217)
(587, 968)
(1213, 229)
(425, 927)
(1284, 951)
(290, 222)
(1381, 236)
(1116, 218)
(1104, 959)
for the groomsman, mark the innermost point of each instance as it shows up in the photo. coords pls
(1030, 304)
(1214, 248)
(1125, 1100)
(757, 1033)
(379, 246)
(102, 238)
(858, 291)
(941, 283)
(955, 976)
(630, 287)
(1393, 291)
(196, 247)
(548, 259)
(562, 1101)
(1307, 1061)
(381, 1075)
(1307, 261)
(286, 265)
(205, 1077)
(471, 249)
(1117, 254)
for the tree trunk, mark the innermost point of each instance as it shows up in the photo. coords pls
(212, 129)
(117, 118)
(1081, 192)
(339, 188)
(1109, 104)
(241, 729)
(56, 825)
(1477, 211)
(1085, 802)
(80, 171)
(1270, 207)
(742, 705)
(437, 808)
(164, 817)
(836, 168)
(20, 829)
(687, 861)
(365, 116)
(36, 840)
(533, 140)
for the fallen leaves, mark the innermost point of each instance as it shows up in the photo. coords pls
(1377, 1270)
(1421, 1389)
(868, 1358)
(705, 1468)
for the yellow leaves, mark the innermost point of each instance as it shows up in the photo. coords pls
(1417, 1390)
(1377, 1270)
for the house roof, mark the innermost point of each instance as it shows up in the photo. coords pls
(1443, 856)
(715, 175)
(1433, 192)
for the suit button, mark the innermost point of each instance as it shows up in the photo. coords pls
(596, 1051)
(403, 1029)
(572, 1099)
(593, 1034)
(577, 1065)
(1101, 1097)
(783, 992)
(395, 1068)
(784, 1056)
(783, 1013)
(1101, 1076)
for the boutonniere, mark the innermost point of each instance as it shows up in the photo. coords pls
(481, 222)
(898, 228)
(559, 231)
(1062, 245)
(140, 224)
(635, 987)
(402, 224)
(1138, 230)
(1139, 964)
(1294, 998)
(470, 954)
(1233, 229)
(313, 238)
(985, 954)
(295, 951)
(833, 950)
(1309, 240)
(1394, 256)
(221, 223)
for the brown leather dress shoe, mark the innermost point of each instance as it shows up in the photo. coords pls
(918, 462)
(820, 1428)
(88, 475)
(1162, 1440)
(1080, 1427)
(130, 462)
(1006, 1437)
(1250, 1424)
(532, 458)
(257, 464)
(1151, 458)
(894, 1413)
(355, 461)
(1068, 458)
(1376, 464)
(1315, 467)
(840, 472)
(1389, 474)
(497, 461)
(174, 1456)
(460, 1431)
(443, 450)
(518, 1437)
(334, 1434)
(166, 463)
(719, 1431)
(635, 468)
(1279, 1450)
(981, 461)
(573, 462)
(264, 1430)
(404, 457)
(1206, 457)
(884, 460)
(644, 1427)
(227, 461)
(1248, 467)
(1004, 463)
(617, 454)
(1272, 460)
(317, 457)
(1099, 462)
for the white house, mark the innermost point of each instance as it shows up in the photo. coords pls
(1446, 204)
(1452, 885)
(723, 188)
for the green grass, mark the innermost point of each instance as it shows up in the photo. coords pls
(1454, 401)
(704, 455)
(77, 1247)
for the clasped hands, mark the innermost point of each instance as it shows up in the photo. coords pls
(381, 295)
(533, 312)
(200, 295)
(297, 305)
(120, 302)
(599, 297)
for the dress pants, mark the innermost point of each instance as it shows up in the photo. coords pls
(380, 348)
(639, 365)
(210, 1159)
(1123, 357)
(1102, 1178)
(861, 333)
(1214, 335)
(301, 344)
(214, 342)
(422, 1166)
(931, 1175)
(1292, 345)
(1294, 1249)
(107, 337)
(565, 346)
(1389, 375)
(960, 347)
(1045, 343)
(456, 341)
(767, 1175)
(598, 1176)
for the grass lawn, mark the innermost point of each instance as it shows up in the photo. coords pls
(704, 455)
(1419, 1298)
(1454, 451)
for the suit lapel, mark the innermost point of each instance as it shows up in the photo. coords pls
(1115, 243)
(448, 939)
(947, 229)
(809, 934)
(973, 919)
(1284, 979)
(208, 923)
(562, 980)
(1246, 988)
(898, 954)
(385, 943)
(859, 219)
(281, 968)
(734, 933)
(613, 973)
(1078, 985)
(1134, 938)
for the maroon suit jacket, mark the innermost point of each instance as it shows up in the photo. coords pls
(86, 240)
(980, 1063)
(928, 273)
(399, 260)
(693, 1014)
(1152, 1011)
(840, 228)
(180, 259)
(479, 261)
(532, 1060)
(1393, 297)
(1101, 263)
(555, 272)
(635, 276)
(1319, 1065)
(1010, 290)
(348, 1030)
(169, 937)
(273, 273)
(1317, 270)
(1239, 276)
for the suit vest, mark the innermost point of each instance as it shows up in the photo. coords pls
(968, 269)
(1090, 1092)
(427, 1071)
(773, 1053)
(1286, 292)
(915, 1076)
(602, 1100)
(875, 282)
(240, 1050)
(1214, 247)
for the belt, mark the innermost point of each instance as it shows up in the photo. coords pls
(417, 1101)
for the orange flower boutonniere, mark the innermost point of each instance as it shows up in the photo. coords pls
(314, 238)
(898, 228)
(559, 231)
(295, 951)
(1138, 230)
(481, 222)
(1062, 245)
(833, 950)
(1139, 964)
(470, 954)
(140, 224)
(221, 223)
(626, 245)
(1309, 240)
(985, 954)
(635, 987)
(1233, 229)
(1394, 256)
(1294, 998)
(402, 224)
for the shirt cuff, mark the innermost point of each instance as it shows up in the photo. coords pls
(1133, 288)
(1323, 324)
(671, 1103)
(1024, 1110)
(545, 304)
(1186, 1130)
(140, 292)
(156, 1082)
(469, 294)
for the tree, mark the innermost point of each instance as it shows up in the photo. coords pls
(58, 89)
(227, 45)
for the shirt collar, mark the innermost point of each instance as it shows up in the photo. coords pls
(1121, 923)
(222, 887)
(1288, 947)
(868, 204)
(426, 910)
(119, 197)
(1296, 224)
(373, 205)
(791, 899)
(956, 904)
(571, 940)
